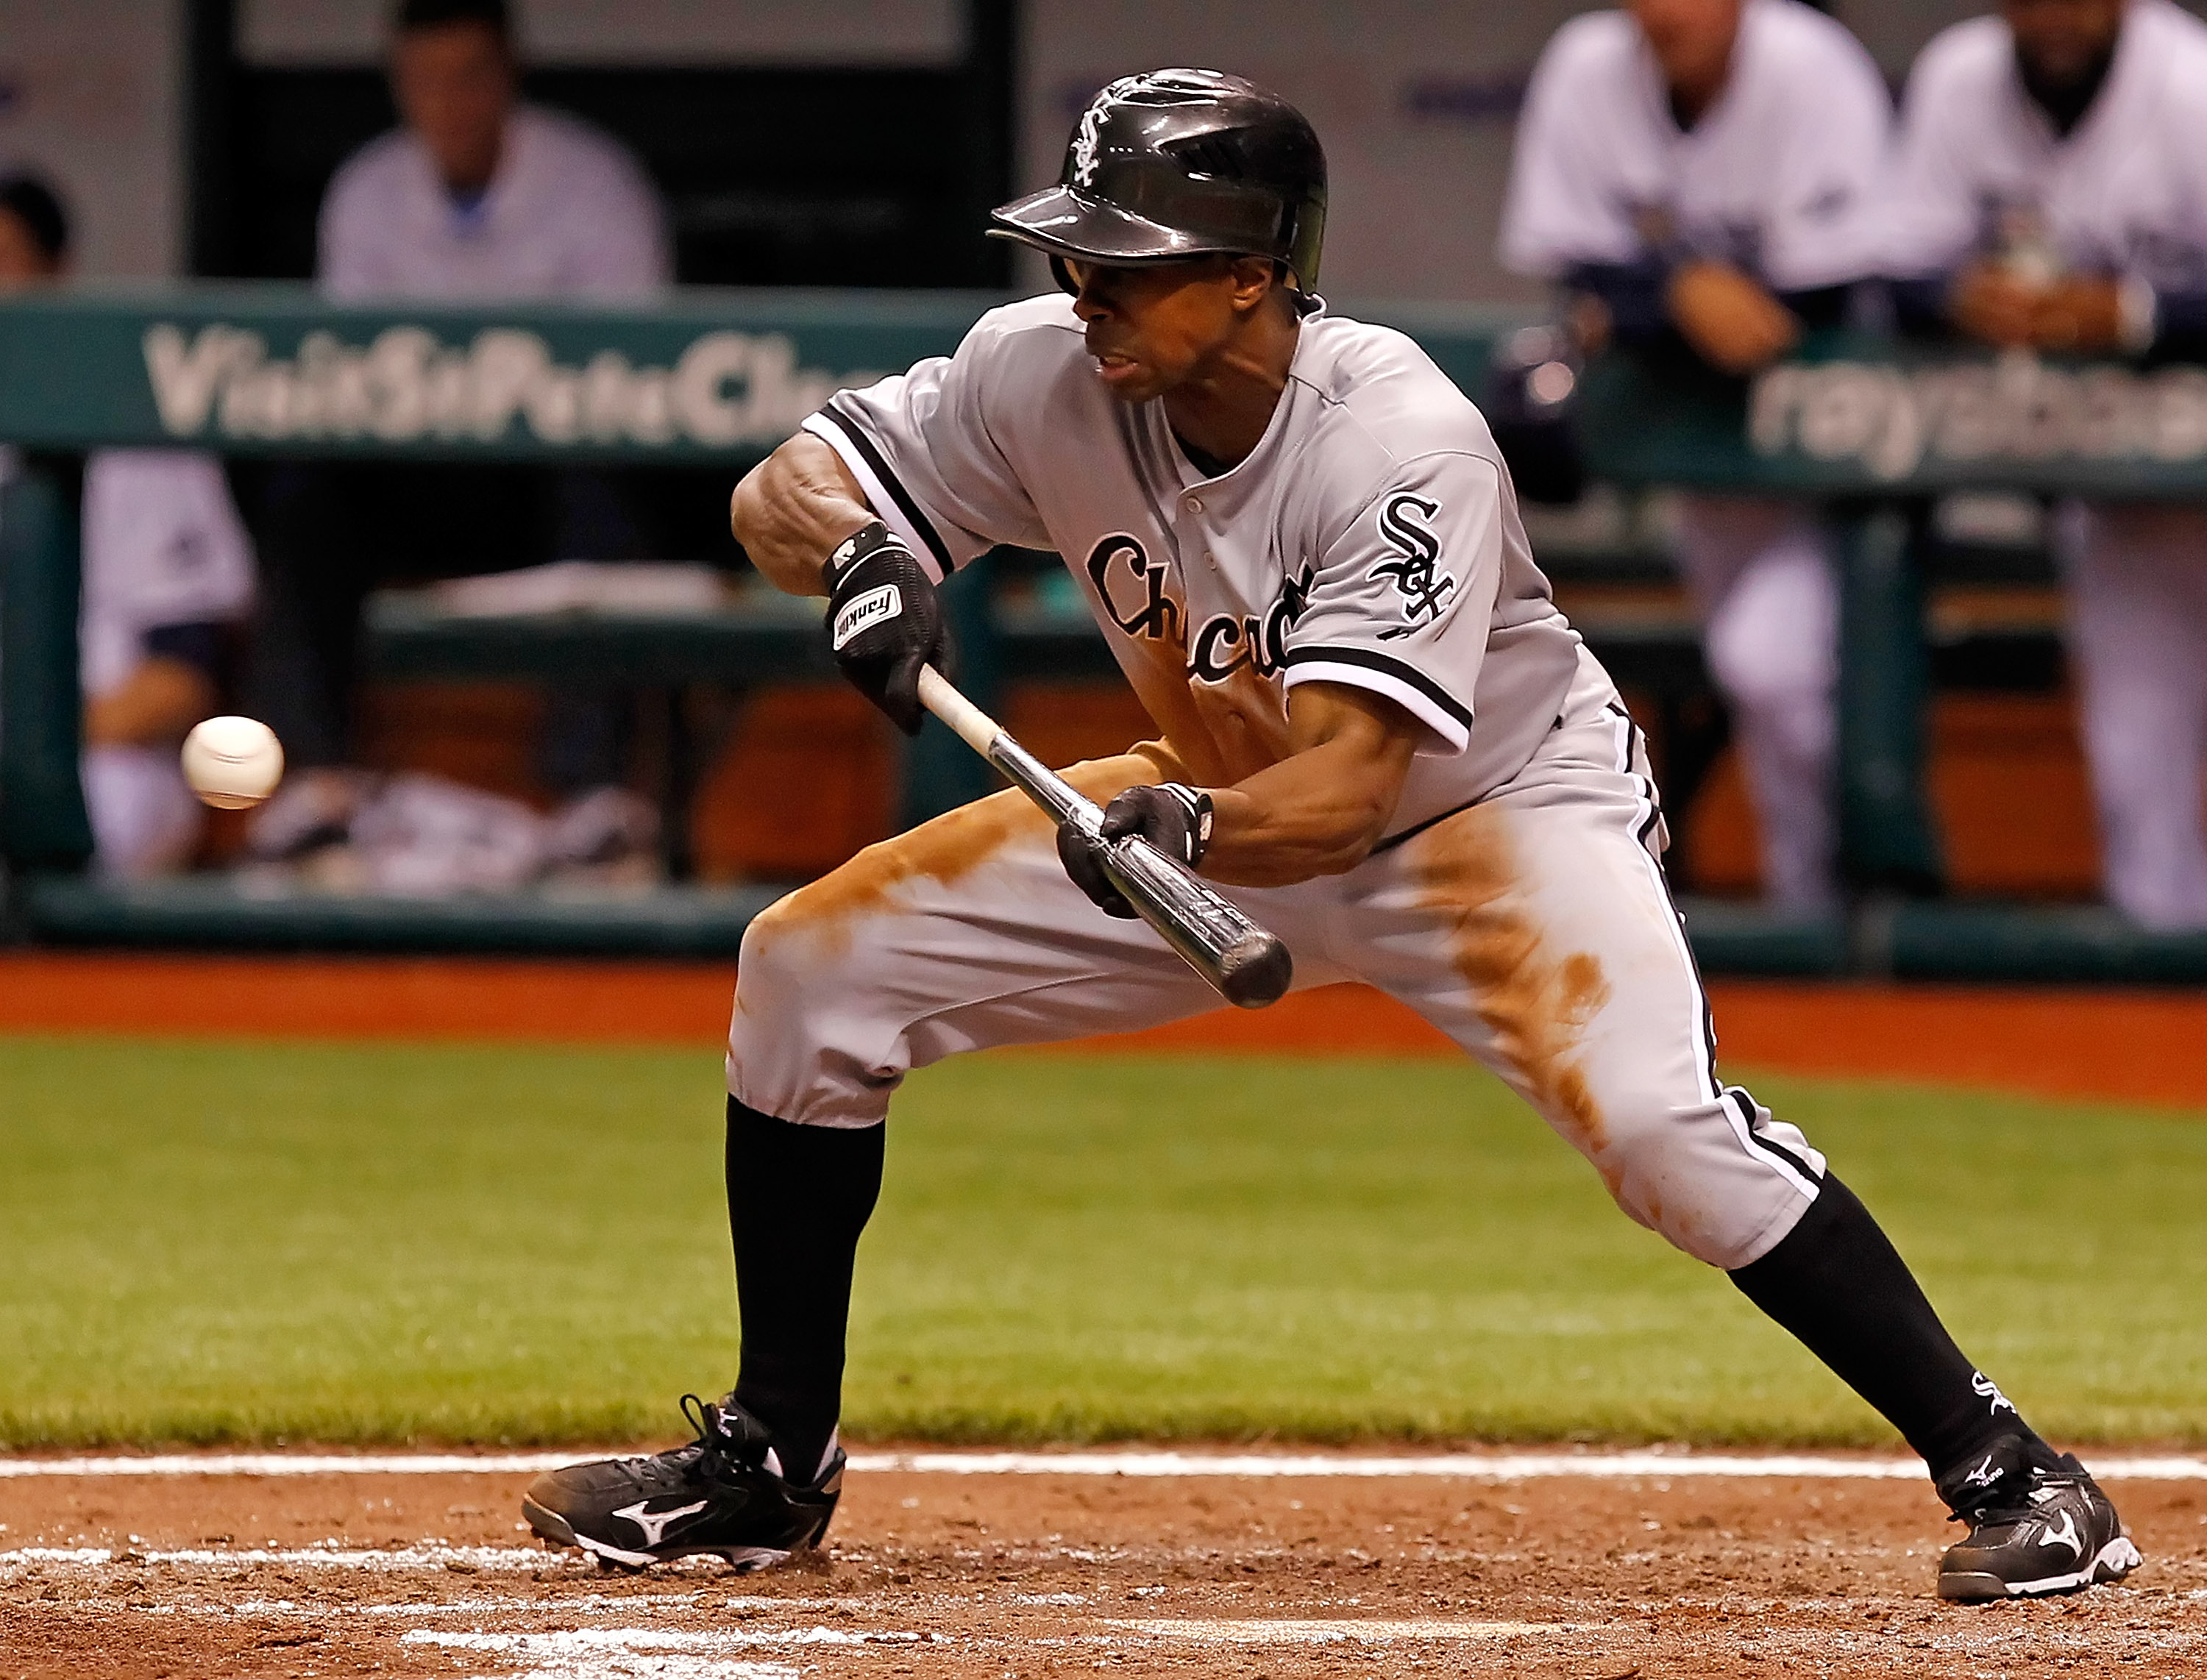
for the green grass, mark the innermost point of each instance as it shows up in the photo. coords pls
(211, 1241)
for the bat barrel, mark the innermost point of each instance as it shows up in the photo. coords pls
(1249, 966)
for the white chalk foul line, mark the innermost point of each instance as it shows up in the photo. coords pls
(292, 1464)
(1229, 1631)
(397, 1560)
(651, 1639)
(600, 1653)
(1501, 1466)
(1457, 1467)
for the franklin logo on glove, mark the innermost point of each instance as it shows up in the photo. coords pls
(869, 609)
(884, 622)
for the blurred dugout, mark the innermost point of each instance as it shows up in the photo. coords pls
(475, 195)
(2051, 194)
(2009, 827)
(168, 574)
(1702, 177)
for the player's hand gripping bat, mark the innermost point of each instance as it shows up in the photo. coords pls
(1246, 966)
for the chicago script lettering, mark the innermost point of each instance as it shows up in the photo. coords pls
(1157, 615)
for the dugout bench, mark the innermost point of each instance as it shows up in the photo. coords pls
(720, 378)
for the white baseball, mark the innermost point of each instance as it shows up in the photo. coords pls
(233, 763)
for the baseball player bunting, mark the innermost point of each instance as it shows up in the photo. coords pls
(1377, 736)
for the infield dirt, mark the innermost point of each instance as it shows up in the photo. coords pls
(962, 1576)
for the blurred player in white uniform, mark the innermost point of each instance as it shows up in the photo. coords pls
(1375, 730)
(167, 571)
(2052, 193)
(476, 195)
(1707, 169)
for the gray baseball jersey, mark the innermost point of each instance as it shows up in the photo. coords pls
(1370, 540)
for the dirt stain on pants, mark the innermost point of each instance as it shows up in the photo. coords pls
(944, 850)
(1535, 1003)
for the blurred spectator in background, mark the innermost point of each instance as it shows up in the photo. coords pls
(167, 572)
(477, 195)
(1698, 176)
(2051, 194)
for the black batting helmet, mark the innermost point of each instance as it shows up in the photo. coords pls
(1176, 164)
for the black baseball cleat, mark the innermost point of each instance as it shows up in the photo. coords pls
(2038, 1524)
(724, 1495)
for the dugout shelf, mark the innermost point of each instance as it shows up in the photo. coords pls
(2079, 944)
(228, 913)
(1745, 940)
(2003, 943)
(221, 912)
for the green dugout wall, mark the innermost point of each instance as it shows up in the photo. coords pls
(1869, 429)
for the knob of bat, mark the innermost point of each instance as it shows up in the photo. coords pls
(1256, 971)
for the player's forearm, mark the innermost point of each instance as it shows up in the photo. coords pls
(1294, 821)
(1631, 295)
(793, 507)
(156, 704)
(1322, 810)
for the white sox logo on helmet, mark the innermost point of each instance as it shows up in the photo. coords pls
(1423, 589)
(1090, 134)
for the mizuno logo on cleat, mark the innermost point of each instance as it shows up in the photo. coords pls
(654, 1523)
(1982, 1476)
(2065, 1536)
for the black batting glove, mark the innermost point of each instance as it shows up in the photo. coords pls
(884, 622)
(1172, 816)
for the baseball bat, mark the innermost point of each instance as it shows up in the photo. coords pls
(1245, 964)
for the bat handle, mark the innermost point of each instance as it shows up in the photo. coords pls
(967, 721)
(989, 738)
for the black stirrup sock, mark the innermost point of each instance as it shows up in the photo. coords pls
(1836, 1281)
(799, 1196)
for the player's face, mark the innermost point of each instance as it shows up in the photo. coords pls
(454, 85)
(2061, 41)
(1691, 39)
(1155, 327)
(23, 261)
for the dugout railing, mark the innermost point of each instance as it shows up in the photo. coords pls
(719, 378)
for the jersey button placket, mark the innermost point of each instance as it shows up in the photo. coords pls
(1193, 503)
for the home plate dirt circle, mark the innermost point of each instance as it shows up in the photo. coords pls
(1589, 1565)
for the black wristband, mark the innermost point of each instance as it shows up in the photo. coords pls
(1200, 816)
(1170, 815)
(865, 541)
